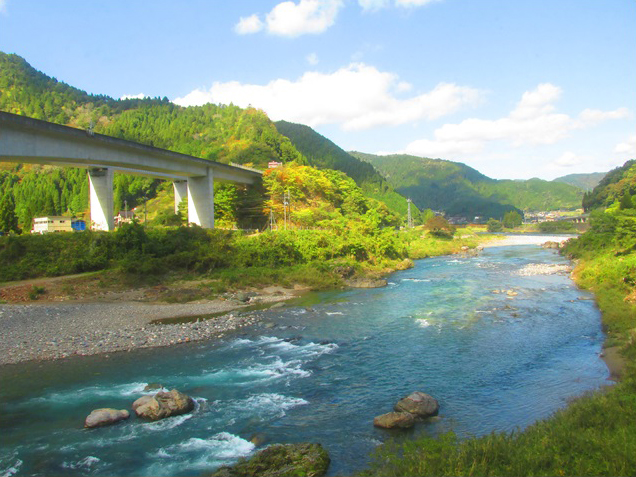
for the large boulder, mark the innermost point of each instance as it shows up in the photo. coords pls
(420, 404)
(105, 417)
(281, 460)
(393, 420)
(162, 405)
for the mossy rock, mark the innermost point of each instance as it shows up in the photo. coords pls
(282, 460)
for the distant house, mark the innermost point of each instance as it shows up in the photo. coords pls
(124, 217)
(274, 164)
(43, 225)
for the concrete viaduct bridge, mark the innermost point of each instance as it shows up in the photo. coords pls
(28, 140)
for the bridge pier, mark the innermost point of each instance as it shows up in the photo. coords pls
(201, 200)
(100, 181)
(180, 192)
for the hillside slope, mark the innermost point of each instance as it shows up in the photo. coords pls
(460, 190)
(582, 181)
(322, 153)
(612, 187)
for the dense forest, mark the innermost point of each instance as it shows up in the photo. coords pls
(224, 133)
(460, 190)
(615, 185)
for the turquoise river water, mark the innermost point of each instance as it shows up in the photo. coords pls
(320, 371)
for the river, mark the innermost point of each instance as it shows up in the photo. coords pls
(496, 341)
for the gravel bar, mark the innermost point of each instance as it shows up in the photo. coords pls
(54, 331)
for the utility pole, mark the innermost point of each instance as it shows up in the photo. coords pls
(285, 205)
(271, 219)
(409, 219)
(145, 209)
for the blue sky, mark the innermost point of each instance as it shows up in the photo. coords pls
(513, 88)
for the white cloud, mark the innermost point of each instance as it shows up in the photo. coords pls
(413, 3)
(533, 121)
(3, 6)
(248, 25)
(628, 147)
(312, 59)
(593, 116)
(356, 97)
(135, 96)
(293, 19)
(375, 5)
(568, 159)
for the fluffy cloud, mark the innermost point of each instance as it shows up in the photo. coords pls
(293, 19)
(356, 97)
(568, 159)
(628, 147)
(248, 25)
(533, 121)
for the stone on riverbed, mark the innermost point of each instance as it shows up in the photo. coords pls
(162, 405)
(392, 420)
(105, 417)
(420, 404)
(366, 283)
(281, 460)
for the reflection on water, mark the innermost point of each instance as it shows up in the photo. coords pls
(320, 370)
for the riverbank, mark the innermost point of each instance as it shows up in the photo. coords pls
(45, 331)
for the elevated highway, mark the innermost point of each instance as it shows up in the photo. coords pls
(28, 140)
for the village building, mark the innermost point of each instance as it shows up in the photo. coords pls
(42, 225)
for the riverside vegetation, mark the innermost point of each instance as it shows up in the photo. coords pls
(595, 434)
(335, 233)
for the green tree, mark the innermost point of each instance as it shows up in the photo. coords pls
(626, 201)
(494, 225)
(8, 219)
(512, 219)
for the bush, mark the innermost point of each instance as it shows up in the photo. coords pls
(439, 227)
(494, 225)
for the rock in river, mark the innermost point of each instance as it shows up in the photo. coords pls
(105, 417)
(392, 420)
(420, 404)
(282, 460)
(163, 404)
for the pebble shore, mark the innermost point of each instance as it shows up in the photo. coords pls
(60, 330)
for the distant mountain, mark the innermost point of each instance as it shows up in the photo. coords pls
(322, 153)
(612, 187)
(460, 190)
(582, 181)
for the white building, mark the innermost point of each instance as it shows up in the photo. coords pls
(42, 225)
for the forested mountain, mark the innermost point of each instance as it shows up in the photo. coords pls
(225, 133)
(322, 153)
(582, 181)
(460, 190)
(616, 183)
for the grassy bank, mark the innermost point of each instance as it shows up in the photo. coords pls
(595, 434)
(135, 255)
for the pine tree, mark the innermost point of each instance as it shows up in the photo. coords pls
(8, 219)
